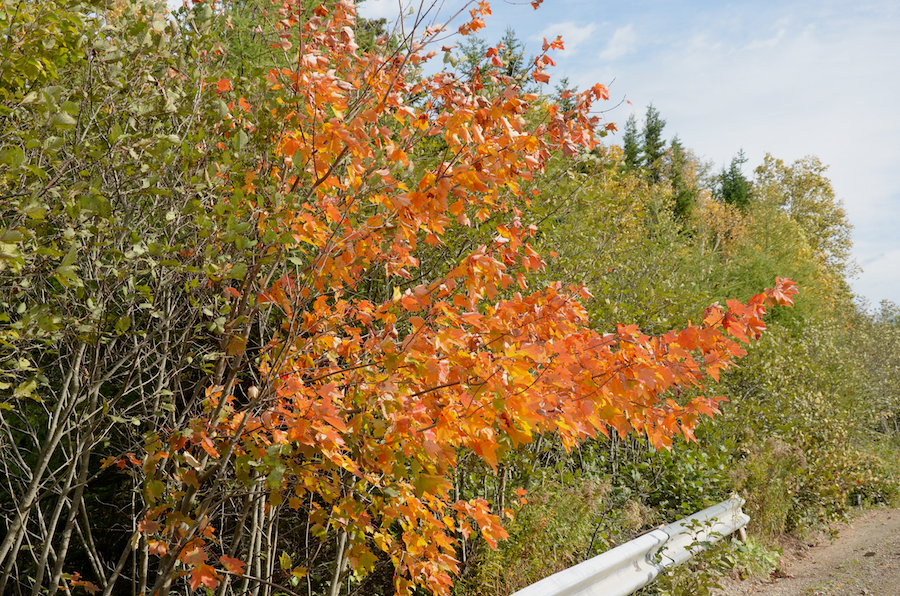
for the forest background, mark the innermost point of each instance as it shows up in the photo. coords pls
(280, 313)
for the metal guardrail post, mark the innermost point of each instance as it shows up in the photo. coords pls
(633, 565)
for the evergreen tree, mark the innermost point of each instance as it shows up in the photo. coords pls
(513, 56)
(252, 40)
(733, 187)
(248, 35)
(564, 96)
(685, 196)
(474, 62)
(630, 144)
(473, 50)
(653, 143)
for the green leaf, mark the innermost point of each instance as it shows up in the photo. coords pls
(25, 388)
(240, 141)
(11, 236)
(63, 121)
(12, 156)
(123, 324)
(237, 271)
(158, 23)
(35, 211)
(273, 480)
(54, 144)
(69, 259)
(155, 488)
(115, 133)
(112, 55)
(222, 108)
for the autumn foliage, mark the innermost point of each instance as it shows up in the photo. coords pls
(361, 275)
(368, 401)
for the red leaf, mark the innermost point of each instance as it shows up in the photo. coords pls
(784, 291)
(148, 526)
(235, 566)
(89, 587)
(601, 92)
(540, 76)
(194, 555)
(203, 574)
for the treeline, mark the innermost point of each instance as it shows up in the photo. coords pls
(279, 314)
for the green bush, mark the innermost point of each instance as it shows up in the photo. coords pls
(766, 478)
(690, 477)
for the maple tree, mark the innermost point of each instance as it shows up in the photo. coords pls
(365, 403)
(350, 351)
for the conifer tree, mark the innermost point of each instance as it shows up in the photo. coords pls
(653, 143)
(630, 144)
(684, 195)
(564, 95)
(513, 55)
(733, 187)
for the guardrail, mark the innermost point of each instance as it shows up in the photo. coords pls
(635, 564)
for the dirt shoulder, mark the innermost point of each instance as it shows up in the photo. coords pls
(864, 559)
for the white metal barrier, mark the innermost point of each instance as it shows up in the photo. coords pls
(635, 564)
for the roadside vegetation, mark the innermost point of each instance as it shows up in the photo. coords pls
(282, 313)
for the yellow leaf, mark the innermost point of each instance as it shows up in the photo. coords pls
(285, 561)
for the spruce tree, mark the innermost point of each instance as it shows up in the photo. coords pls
(564, 96)
(685, 196)
(513, 56)
(653, 143)
(630, 144)
(733, 186)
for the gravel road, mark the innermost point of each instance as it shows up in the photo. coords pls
(863, 560)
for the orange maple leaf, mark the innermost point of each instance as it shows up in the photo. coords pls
(204, 575)
(235, 566)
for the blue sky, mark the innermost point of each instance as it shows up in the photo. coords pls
(791, 78)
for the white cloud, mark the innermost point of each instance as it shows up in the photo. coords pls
(572, 34)
(622, 42)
